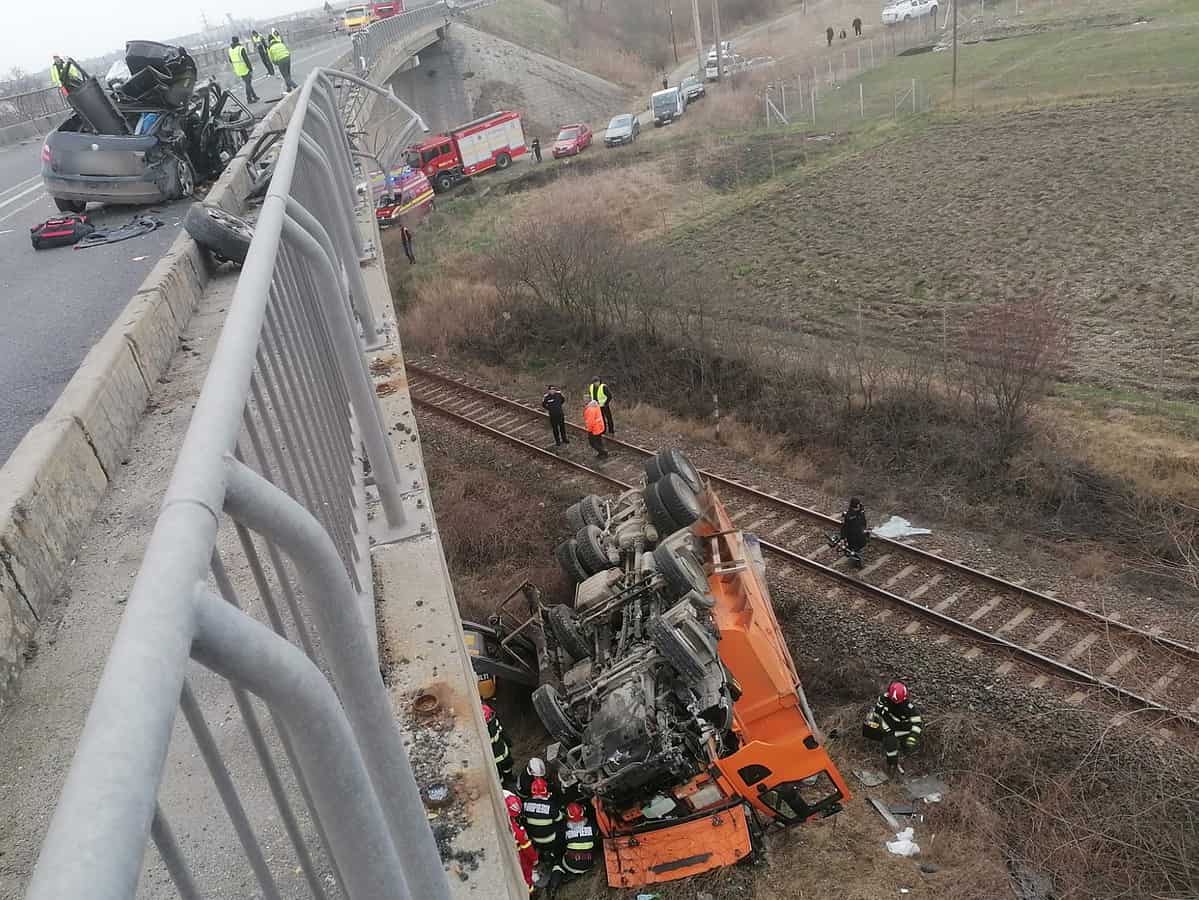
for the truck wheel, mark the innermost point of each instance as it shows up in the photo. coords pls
(574, 517)
(671, 460)
(671, 644)
(443, 182)
(589, 547)
(681, 570)
(70, 206)
(552, 712)
(594, 513)
(222, 233)
(659, 515)
(503, 161)
(568, 559)
(566, 629)
(678, 498)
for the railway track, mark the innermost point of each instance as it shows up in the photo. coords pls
(1087, 650)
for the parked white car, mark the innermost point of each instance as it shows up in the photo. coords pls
(906, 10)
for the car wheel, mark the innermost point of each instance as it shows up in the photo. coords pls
(70, 206)
(443, 182)
(183, 180)
(554, 716)
(503, 161)
(589, 546)
(564, 625)
(678, 498)
(681, 570)
(568, 558)
(223, 234)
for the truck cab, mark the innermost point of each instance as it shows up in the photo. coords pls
(437, 158)
(356, 18)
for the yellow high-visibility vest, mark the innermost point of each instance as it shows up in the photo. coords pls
(277, 50)
(237, 57)
(598, 392)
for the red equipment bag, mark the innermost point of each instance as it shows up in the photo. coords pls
(60, 232)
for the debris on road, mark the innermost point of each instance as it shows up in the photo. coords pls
(904, 843)
(884, 813)
(135, 227)
(898, 527)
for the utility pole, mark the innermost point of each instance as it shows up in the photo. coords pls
(719, 48)
(955, 52)
(699, 40)
(673, 42)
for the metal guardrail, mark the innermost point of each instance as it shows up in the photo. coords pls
(26, 107)
(275, 448)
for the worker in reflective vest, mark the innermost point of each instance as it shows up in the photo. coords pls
(598, 391)
(544, 822)
(593, 421)
(281, 56)
(501, 747)
(259, 43)
(895, 722)
(64, 74)
(525, 850)
(242, 68)
(578, 857)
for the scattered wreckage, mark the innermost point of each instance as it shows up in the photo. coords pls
(667, 687)
(149, 136)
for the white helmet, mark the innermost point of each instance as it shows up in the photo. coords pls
(536, 767)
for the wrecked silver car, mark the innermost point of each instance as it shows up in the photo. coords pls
(148, 138)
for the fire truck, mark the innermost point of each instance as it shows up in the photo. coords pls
(489, 142)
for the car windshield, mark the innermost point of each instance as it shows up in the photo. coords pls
(355, 12)
(620, 122)
(568, 134)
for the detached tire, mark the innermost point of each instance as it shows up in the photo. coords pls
(659, 515)
(568, 558)
(680, 501)
(569, 633)
(589, 547)
(555, 717)
(681, 570)
(225, 235)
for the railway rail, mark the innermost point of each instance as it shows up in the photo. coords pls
(1139, 667)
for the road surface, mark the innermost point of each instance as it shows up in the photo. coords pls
(55, 304)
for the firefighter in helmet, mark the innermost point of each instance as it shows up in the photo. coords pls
(895, 722)
(578, 855)
(501, 747)
(524, 846)
(545, 822)
(524, 781)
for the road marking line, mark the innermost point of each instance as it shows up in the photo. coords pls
(948, 601)
(1125, 658)
(20, 184)
(1050, 630)
(790, 523)
(926, 587)
(912, 628)
(874, 565)
(986, 608)
(1017, 620)
(15, 197)
(16, 212)
(1162, 683)
(1081, 647)
(900, 575)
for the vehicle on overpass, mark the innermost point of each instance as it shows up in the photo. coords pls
(356, 18)
(150, 138)
(667, 106)
(906, 10)
(386, 10)
(489, 142)
(668, 686)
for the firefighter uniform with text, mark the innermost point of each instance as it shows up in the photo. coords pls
(895, 722)
(578, 855)
(525, 850)
(501, 747)
(545, 822)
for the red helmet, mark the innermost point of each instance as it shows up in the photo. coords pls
(897, 692)
(513, 803)
(574, 811)
(540, 788)
(488, 712)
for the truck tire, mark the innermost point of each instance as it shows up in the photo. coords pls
(70, 206)
(574, 517)
(671, 460)
(566, 629)
(443, 182)
(659, 515)
(554, 716)
(568, 559)
(681, 570)
(225, 235)
(589, 547)
(503, 161)
(594, 513)
(675, 648)
(680, 501)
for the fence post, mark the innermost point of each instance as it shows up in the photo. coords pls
(861, 100)
(813, 105)
(914, 96)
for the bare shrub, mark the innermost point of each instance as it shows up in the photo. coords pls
(446, 313)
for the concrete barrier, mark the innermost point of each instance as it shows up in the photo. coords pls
(57, 475)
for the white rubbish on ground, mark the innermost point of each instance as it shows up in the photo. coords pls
(898, 527)
(904, 843)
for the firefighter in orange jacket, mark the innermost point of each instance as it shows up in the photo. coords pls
(593, 420)
(524, 846)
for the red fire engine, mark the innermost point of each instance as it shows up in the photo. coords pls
(491, 141)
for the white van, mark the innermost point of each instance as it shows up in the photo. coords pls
(667, 105)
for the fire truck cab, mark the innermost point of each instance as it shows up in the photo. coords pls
(489, 142)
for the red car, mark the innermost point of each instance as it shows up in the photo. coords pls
(572, 140)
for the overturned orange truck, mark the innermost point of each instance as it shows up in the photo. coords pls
(669, 689)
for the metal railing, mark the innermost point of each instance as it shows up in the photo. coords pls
(275, 453)
(17, 108)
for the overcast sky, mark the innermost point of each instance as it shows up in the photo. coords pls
(34, 30)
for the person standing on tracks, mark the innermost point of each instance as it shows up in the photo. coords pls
(854, 531)
(242, 67)
(409, 248)
(501, 747)
(553, 403)
(259, 43)
(599, 392)
(895, 721)
(545, 822)
(593, 421)
(280, 56)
